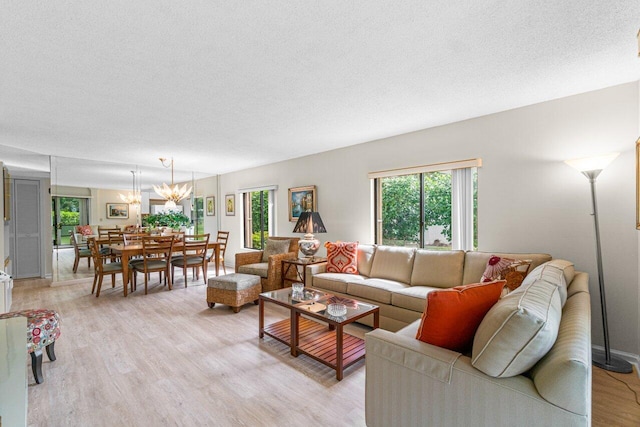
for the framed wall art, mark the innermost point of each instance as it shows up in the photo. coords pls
(230, 204)
(211, 205)
(117, 211)
(302, 199)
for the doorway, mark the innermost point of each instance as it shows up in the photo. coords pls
(66, 214)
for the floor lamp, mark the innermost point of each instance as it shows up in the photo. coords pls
(591, 168)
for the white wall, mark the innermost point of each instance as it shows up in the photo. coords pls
(528, 199)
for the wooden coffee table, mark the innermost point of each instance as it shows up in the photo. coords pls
(312, 331)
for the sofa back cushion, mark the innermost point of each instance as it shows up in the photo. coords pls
(275, 247)
(438, 269)
(393, 263)
(557, 271)
(365, 259)
(475, 263)
(518, 331)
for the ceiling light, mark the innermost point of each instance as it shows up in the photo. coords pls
(134, 197)
(173, 193)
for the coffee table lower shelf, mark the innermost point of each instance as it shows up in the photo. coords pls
(319, 342)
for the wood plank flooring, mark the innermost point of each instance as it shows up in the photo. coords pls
(167, 359)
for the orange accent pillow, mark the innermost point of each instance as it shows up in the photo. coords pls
(342, 257)
(452, 316)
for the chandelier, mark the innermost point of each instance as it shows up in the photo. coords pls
(174, 193)
(134, 197)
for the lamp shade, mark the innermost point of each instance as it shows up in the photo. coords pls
(592, 163)
(310, 223)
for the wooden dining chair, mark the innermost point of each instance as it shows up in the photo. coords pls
(104, 230)
(79, 253)
(193, 255)
(101, 268)
(222, 238)
(156, 256)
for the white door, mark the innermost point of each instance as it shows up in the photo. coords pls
(27, 228)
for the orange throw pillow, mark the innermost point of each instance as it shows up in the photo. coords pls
(452, 316)
(342, 257)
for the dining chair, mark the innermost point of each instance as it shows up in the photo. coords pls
(80, 253)
(193, 255)
(115, 238)
(104, 230)
(101, 268)
(156, 256)
(222, 238)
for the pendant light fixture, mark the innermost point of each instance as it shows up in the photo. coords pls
(173, 193)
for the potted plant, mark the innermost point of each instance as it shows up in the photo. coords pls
(169, 218)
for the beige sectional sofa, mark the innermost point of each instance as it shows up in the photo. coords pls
(398, 279)
(413, 383)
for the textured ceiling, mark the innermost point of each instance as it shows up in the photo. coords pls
(227, 85)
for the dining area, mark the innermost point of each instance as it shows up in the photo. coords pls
(128, 257)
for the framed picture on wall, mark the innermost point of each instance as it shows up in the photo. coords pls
(117, 211)
(230, 204)
(302, 199)
(211, 205)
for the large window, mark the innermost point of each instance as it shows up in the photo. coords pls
(257, 217)
(435, 207)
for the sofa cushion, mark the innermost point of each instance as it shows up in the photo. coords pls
(518, 331)
(393, 263)
(557, 271)
(365, 259)
(440, 269)
(335, 282)
(342, 257)
(451, 316)
(411, 298)
(374, 289)
(275, 247)
(476, 262)
(259, 269)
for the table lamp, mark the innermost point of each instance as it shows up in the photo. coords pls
(309, 223)
(591, 168)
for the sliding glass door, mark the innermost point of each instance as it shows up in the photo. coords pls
(66, 214)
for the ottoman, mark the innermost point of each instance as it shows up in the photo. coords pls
(234, 290)
(43, 328)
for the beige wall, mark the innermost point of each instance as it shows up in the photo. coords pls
(529, 200)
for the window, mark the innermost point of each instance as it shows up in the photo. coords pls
(197, 215)
(66, 214)
(257, 217)
(432, 207)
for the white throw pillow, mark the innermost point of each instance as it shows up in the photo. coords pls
(557, 271)
(518, 330)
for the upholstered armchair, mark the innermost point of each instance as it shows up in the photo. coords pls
(270, 271)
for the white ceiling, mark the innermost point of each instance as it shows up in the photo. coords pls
(228, 85)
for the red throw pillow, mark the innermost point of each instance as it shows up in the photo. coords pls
(85, 230)
(452, 316)
(342, 257)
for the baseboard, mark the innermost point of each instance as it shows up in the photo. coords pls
(634, 359)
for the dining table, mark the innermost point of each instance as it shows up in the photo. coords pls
(126, 252)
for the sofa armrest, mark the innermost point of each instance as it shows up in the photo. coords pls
(312, 269)
(409, 382)
(243, 258)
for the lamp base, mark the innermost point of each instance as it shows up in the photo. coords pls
(615, 364)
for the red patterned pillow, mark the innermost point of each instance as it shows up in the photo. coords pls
(342, 257)
(512, 270)
(85, 230)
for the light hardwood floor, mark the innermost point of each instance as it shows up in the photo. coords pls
(167, 359)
